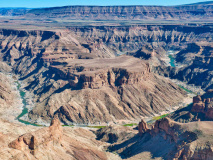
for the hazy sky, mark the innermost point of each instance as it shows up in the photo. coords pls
(52, 3)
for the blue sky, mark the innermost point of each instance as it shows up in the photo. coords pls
(52, 3)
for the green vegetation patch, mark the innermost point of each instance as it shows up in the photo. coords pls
(28, 123)
(187, 90)
(130, 125)
(67, 125)
(160, 117)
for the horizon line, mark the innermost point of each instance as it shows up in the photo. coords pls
(107, 6)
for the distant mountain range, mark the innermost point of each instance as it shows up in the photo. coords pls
(196, 11)
(13, 11)
(202, 3)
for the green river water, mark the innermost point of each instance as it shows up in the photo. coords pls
(25, 110)
(172, 61)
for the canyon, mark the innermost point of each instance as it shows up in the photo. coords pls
(101, 82)
(65, 66)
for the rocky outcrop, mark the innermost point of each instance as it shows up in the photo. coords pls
(146, 52)
(204, 105)
(142, 127)
(55, 143)
(90, 74)
(186, 139)
(31, 142)
(169, 140)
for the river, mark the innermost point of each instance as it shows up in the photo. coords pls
(25, 109)
(170, 54)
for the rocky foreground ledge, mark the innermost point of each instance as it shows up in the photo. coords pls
(52, 142)
(168, 139)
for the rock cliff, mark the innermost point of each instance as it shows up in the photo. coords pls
(31, 142)
(204, 105)
(53, 142)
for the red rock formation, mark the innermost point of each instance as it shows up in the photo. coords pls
(186, 138)
(204, 105)
(32, 141)
(197, 99)
(168, 126)
(142, 127)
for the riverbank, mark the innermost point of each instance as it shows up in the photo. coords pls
(169, 59)
(27, 102)
(11, 106)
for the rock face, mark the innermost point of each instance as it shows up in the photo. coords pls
(193, 11)
(142, 127)
(31, 142)
(199, 110)
(6, 94)
(190, 138)
(170, 140)
(204, 105)
(54, 143)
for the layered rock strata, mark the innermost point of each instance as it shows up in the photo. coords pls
(183, 12)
